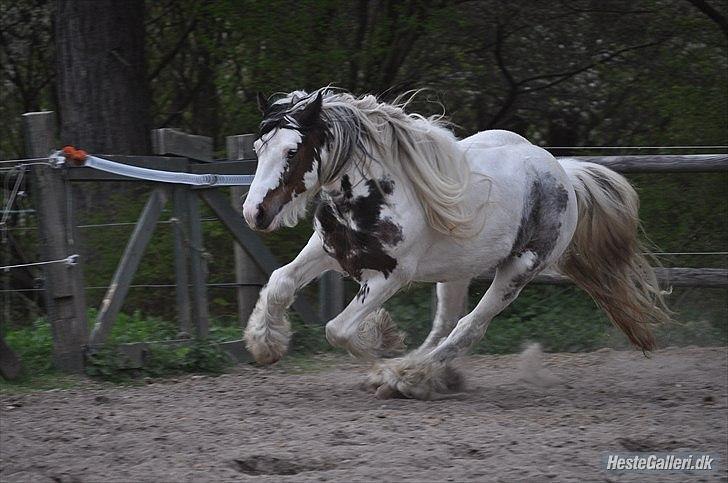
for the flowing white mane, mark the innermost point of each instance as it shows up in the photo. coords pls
(421, 150)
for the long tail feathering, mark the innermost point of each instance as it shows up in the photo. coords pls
(606, 258)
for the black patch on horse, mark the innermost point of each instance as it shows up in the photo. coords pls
(360, 247)
(363, 292)
(540, 225)
(541, 218)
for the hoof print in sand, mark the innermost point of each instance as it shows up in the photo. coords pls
(270, 465)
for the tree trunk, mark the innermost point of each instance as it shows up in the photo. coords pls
(102, 88)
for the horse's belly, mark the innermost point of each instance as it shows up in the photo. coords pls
(449, 259)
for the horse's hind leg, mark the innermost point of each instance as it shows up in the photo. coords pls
(425, 375)
(451, 305)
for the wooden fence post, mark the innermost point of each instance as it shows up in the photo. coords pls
(332, 295)
(247, 274)
(180, 211)
(65, 298)
(172, 141)
(198, 268)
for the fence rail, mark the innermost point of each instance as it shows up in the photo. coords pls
(692, 163)
(669, 277)
(661, 163)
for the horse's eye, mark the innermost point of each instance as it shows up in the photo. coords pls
(291, 153)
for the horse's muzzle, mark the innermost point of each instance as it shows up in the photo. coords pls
(259, 217)
(263, 218)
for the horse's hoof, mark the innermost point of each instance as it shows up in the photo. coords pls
(266, 360)
(385, 391)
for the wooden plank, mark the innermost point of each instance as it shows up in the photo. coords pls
(675, 277)
(135, 354)
(693, 277)
(119, 286)
(659, 163)
(247, 166)
(246, 270)
(198, 269)
(180, 195)
(90, 174)
(240, 146)
(331, 295)
(164, 163)
(172, 141)
(236, 348)
(250, 242)
(65, 301)
(625, 164)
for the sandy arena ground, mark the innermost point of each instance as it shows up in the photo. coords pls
(315, 423)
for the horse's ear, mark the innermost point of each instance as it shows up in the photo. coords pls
(311, 112)
(262, 103)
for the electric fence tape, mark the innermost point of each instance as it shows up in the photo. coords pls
(160, 176)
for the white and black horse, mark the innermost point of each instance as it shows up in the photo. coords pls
(403, 200)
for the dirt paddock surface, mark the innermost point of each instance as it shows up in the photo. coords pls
(315, 423)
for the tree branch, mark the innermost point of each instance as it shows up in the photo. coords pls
(186, 102)
(712, 14)
(513, 89)
(561, 77)
(175, 50)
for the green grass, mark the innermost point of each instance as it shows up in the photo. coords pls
(34, 345)
(565, 319)
(40, 382)
(562, 319)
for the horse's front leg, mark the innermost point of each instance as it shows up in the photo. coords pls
(268, 331)
(363, 328)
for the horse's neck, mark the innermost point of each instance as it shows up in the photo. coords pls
(357, 175)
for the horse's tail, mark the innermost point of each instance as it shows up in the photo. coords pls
(606, 258)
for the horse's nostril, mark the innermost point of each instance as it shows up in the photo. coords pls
(261, 218)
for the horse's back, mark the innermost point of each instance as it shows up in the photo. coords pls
(493, 138)
(508, 157)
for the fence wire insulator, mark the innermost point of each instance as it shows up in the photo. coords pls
(70, 261)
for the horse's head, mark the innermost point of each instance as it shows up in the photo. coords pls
(289, 149)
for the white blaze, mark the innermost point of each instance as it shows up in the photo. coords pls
(272, 149)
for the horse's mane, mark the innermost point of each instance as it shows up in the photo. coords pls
(423, 150)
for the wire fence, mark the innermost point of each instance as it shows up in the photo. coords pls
(144, 285)
(106, 225)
